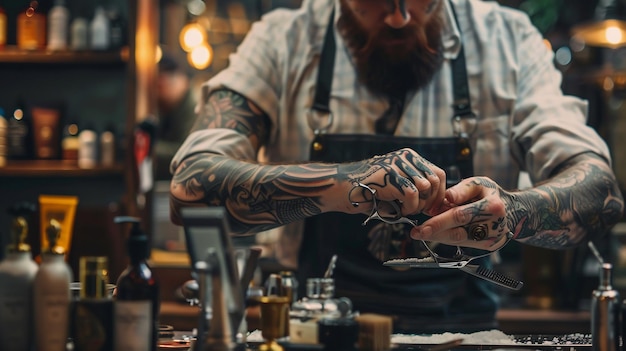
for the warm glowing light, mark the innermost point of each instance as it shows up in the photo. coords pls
(159, 54)
(613, 35)
(609, 33)
(18, 114)
(191, 36)
(201, 57)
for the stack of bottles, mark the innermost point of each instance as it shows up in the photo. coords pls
(38, 310)
(61, 28)
(37, 133)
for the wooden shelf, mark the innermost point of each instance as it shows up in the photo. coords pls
(11, 54)
(55, 168)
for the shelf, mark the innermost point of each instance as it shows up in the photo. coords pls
(55, 168)
(11, 54)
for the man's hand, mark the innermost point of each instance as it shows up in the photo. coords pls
(472, 215)
(582, 200)
(401, 177)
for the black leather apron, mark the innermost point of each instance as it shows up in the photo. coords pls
(420, 300)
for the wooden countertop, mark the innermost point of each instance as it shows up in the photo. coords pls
(512, 321)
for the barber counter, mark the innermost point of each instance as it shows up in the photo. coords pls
(531, 329)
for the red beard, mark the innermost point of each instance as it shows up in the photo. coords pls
(393, 61)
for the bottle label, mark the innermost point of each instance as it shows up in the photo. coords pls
(14, 327)
(52, 320)
(93, 325)
(133, 325)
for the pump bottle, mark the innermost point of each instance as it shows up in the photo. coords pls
(17, 274)
(52, 295)
(136, 307)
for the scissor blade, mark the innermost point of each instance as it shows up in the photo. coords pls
(423, 263)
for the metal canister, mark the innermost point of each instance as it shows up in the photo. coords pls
(605, 314)
(289, 286)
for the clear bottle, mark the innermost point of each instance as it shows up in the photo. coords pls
(69, 143)
(100, 31)
(58, 23)
(107, 148)
(52, 296)
(17, 275)
(31, 28)
(137, 299)
(79, 34)
(92, 317)
(87, 148)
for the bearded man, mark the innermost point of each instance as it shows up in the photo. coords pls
(418, 114)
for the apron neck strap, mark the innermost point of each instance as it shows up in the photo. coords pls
(325, 73)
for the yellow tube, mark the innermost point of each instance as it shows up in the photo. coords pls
(63, 209)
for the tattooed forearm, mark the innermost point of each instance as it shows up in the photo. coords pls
(581, 201)
(258, 197)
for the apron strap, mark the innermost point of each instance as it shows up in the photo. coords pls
(325, 72)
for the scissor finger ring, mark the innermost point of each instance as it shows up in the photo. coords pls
(477, 232)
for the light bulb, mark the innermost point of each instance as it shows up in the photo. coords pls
(201, 56)
(613, 35)
(191, 36)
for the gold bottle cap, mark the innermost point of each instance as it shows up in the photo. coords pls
(19, 231)
(94, 276)
(53, 232)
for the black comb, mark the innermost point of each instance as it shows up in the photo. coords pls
(493, 276)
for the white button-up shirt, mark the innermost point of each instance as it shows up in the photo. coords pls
(525, 123)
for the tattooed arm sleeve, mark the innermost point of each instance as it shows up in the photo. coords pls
(580, 201)
(257, 197)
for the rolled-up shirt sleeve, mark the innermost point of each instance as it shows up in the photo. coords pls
(548, 127)
(220, 141)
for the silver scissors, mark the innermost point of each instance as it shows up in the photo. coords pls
(459, 260)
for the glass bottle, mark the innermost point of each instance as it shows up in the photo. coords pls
(92, 324)
(87, 148)
(137, 299)
(31, 28)
(79, 36)
(3, 28)
(69, 143)
(107, 147)
(58, 23)
(100, 31)
(19, 135)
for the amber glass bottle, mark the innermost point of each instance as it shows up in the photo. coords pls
(3, 27)
(136, 308)
(31, 28)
